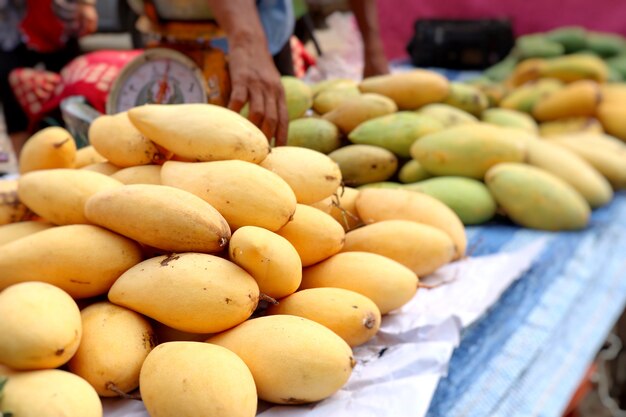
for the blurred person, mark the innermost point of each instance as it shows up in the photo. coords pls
(38, 32)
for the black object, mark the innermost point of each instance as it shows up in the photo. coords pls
(460, 44)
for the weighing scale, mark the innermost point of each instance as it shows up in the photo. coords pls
(180, 64)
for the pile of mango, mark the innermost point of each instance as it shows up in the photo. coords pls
(181, 255)
(543, 148)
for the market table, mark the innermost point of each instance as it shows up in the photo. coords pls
(528, 353)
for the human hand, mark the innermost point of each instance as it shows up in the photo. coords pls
(87, 19)
(256, 81)
(374, 61)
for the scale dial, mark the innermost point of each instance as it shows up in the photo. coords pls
(158, 75)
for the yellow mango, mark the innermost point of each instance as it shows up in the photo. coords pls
(332, 83)
(12, 210)
(410, 90)
(52, 147)
(244, 193)
(50, 392)
(386, 282)
(572, 169)
(271, 260)
(330, 99)
(298, 96)
(467, 151)
(344, 207)
(201, 132)
(193, 379)
(363, 164)
(87, 259)
(467, 97)
(13, 231)
(192, 292)
(612, 117)
(293, 360)
(354, 317)
(419, 247)
(87, 156)
(114, 344)
(524, 97)
(311, 175)
(510, 118)
(59, 195)
(578, 99)
(40, 328)
(119, 141)
(374, 205)
(534, 198)
(325, 205)
(570, 125)
(142, 174)
(314, 234)
(164, 217)
(105, 168)
(354, 111)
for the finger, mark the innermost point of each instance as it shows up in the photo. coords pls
(283, 120)
(270, 121)
(257, 106)
(238, 97)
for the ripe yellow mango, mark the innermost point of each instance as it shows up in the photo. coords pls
(314, 234)
(105, 168)
(121, 143)
(467, 151)
(164, 217)
(363, 164)
(201, 132)
(332, 83)
(395, 132)
(331, 98)
(13, 231)
(467, 97)
(351, 113)
(510, 118)
(52, 147)
(419, 247)
(344, 208)
(578, 99)
(87, 259)
(114, 344)
(244, 193)
(50, 392)
(59, 195)
(193, 379)
(293, 360)
(313, 133)
(192, 292)
(271, 260)
(388, 283)
(311, 175)
(524, 97)
(570, 125)
(12, 210)
(40, 326)
(374, 205)
(87, 156)
(572, 169)
(354, 317)
(412, 171)
(447, 114)
(410, 90)
(142, 174)
(534, 198)
(298, 96)
(612, 115)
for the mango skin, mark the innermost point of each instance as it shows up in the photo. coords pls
(395, 132)
(351, 113)
(467, 151)
(52, 147)
(510, 118)
(313, 133)
(354, 317)
(411, 172)
(293, 360)
(298, 96)
(363, 164)
(192, 379)
(386, 282)
(13, 231)
(534, 198)
(468, 198)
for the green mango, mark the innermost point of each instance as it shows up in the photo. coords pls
(537, 46)
(510, 118)
(298, 96)
(411, 172)
(617, 64)
(313, 133)
(573, 38)
(501, 70)
(363, 164)
(468, 198)
(395, 132)
(534, 198)
(606, 45)
(447, 115)
(467, 97)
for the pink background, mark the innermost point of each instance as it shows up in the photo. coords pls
(396, 17)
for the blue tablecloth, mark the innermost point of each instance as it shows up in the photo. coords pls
(528, 353)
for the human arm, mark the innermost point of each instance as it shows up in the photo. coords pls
(254, 77)
(375, 62)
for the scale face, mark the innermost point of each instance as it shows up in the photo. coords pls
(159, 75)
